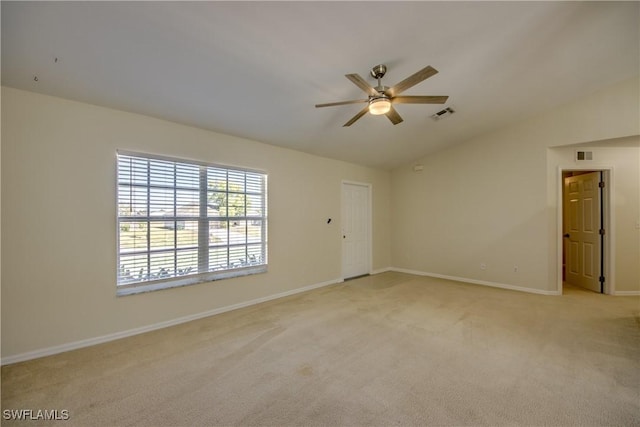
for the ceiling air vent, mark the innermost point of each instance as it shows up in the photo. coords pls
(443, 113)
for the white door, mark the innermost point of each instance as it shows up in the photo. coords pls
(356, 230)
(582, 221)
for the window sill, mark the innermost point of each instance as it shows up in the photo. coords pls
(139, 288)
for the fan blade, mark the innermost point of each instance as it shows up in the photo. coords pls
(357, 116)
(394, 116)
(331, 104)
(362, 84)
(413, 80)
(420, 99)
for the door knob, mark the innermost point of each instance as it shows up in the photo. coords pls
(566, 235)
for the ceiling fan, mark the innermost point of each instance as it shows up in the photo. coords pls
(381, 97)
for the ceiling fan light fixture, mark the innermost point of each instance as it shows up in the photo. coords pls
(378, 106)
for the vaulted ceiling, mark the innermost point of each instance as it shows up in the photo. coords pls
(256, 69)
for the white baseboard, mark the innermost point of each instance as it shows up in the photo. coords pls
(475, 281)
(380, 270)
(123, 334)
(627, 293)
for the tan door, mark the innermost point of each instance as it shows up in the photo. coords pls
(582, 230)
(356, 229)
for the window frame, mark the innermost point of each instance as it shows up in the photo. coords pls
(203, 219)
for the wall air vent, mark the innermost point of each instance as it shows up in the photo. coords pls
(443, 113)
(584, 155)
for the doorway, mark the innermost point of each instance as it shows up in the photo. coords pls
(585, 212)
(356, 229)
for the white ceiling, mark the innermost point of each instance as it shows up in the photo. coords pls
(256, 69)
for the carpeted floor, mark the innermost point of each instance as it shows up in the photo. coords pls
(390, 349)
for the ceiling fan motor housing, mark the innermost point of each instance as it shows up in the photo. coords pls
(381, 89)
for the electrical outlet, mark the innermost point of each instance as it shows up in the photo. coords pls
(483, 266)
(515, 268)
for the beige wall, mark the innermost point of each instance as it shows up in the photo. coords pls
(59, 220)
(493, 199)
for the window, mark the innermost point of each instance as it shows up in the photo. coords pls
(182, 222)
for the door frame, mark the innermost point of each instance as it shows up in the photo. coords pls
(369, 220)
(608, 213)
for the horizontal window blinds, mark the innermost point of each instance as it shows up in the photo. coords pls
(178, 219)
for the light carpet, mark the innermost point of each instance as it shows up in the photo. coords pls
(384, 350)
